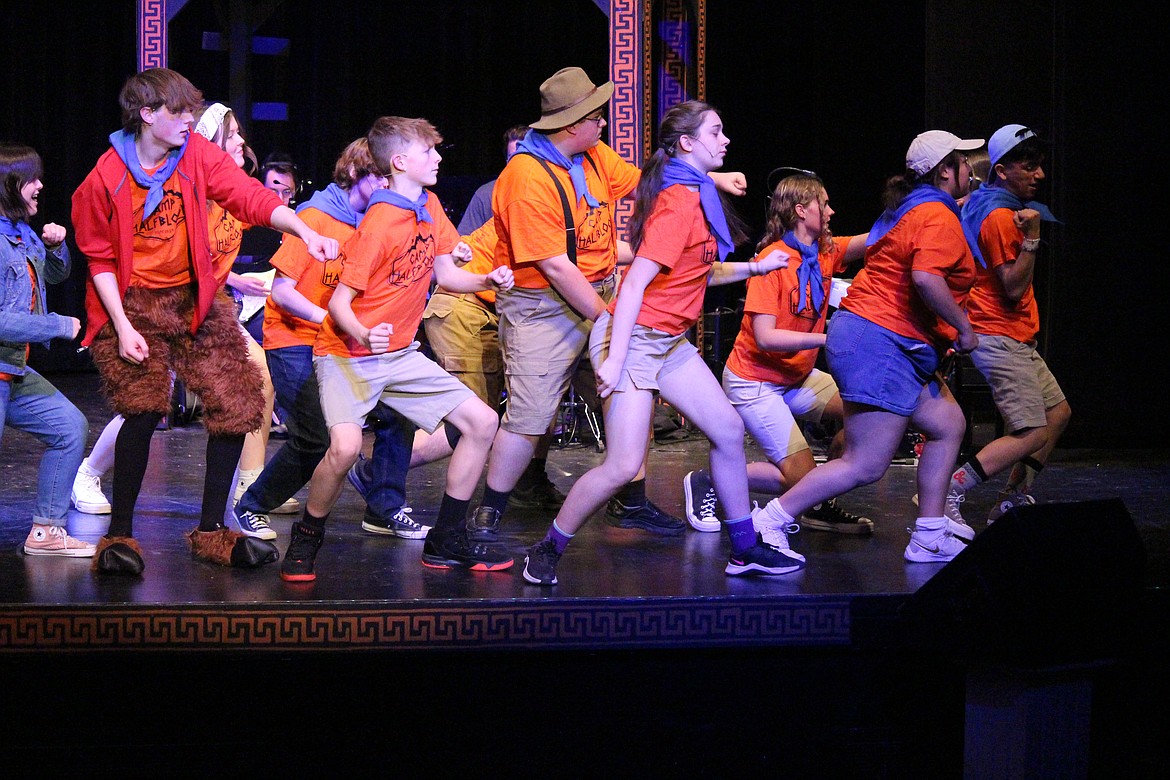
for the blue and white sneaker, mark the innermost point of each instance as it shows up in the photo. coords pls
(253, 524)
(400, 525)
(355, 476)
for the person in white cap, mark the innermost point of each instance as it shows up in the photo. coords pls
(886, 342)
(1001, 221)
(553, 207)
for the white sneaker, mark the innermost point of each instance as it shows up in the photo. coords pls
(932, 542)
(955, 522)
(1006, 503)
(87, 494)
(290, 507)
(774, 531)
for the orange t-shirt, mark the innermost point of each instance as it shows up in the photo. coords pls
(226, 233)
(483, 248)
(676, 237)
(389, 261)
(161, 252)
(530, 220)
(314, 280)
(988, 308)
(778, 294)
(928, 238)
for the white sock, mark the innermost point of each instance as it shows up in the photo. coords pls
(930, 524)
(776, 512)
(85, 469)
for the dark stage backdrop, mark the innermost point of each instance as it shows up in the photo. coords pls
(865, 83)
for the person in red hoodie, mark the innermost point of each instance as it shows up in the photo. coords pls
(154, 307)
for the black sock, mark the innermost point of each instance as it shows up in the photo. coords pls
(633, 494)
(313, 523)
(496, 499)
(452, 513)
(131, 451)
(223, 453)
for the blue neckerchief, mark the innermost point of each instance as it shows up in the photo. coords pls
(419, 207)
(809, 275)
(987, 199)
(537, 144)
(123, 144)
(18, 230)
(923, 193)
(678, 172)
(333, 201)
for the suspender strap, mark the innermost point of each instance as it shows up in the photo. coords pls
(570, 227)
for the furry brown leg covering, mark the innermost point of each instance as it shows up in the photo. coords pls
(231, 548)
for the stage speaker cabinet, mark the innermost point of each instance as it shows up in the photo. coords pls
(1045, 584)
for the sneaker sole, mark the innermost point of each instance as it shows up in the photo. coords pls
(87, 508)
(853, 529)
(298, 577)
(961, 531)
(357, 483)
(917, 554)
(653, 529)
(290, 507)
(699, 524)
(536, 580)
(741, 570)
(75, 553)
(382, 530)
(435, 562)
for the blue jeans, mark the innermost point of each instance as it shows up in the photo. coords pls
(292, 466)
(30, 403)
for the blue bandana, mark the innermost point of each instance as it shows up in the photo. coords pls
(809, 274)
(923, 193)
(538, 145)
(678, 172)
(394, 198)
(987, 199)
(333, 201)
(18, 230)
(123, 144)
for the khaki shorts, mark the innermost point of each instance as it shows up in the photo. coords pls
(542, 339)
(770, 411)
(1021, 385)
(650, 355)
(405, 380)
(465, 338)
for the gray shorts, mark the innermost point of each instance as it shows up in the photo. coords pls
(407, 381)
(650, 355)
(542, 339)
(1021, 385)
(770, 411)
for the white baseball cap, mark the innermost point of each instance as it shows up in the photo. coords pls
(928, 149)
(1005, 139)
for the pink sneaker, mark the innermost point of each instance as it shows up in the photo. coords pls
(53, 540)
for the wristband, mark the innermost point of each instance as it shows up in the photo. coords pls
(1030, 244)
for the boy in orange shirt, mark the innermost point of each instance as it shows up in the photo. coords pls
(365, 349)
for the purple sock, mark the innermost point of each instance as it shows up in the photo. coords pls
(559, 538)
(742, 533)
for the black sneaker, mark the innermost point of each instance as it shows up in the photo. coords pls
(536, 491)
(453, 550)
(484, 525)
(829, 516)
(540, 563)
(762, 558)
(701, 502)
(297, 565)
(647, 517)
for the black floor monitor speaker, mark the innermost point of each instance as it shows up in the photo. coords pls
(1045, 584)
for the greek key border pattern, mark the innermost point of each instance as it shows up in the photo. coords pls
(627, 116)
(152, 34)
(344, 626)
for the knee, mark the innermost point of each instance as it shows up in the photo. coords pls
(728, 430)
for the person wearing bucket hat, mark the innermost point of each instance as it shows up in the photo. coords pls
(562, 173)
(155, 305)
(886, 342)
(1001, 221)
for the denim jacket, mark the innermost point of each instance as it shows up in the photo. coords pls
(20, 324)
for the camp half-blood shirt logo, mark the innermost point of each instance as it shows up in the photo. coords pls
(331, 271)
(413, 264)
(164, 222)
(226, 234)
(597, 229)
(808, 312)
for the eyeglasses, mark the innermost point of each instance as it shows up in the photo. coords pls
(597, 119)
